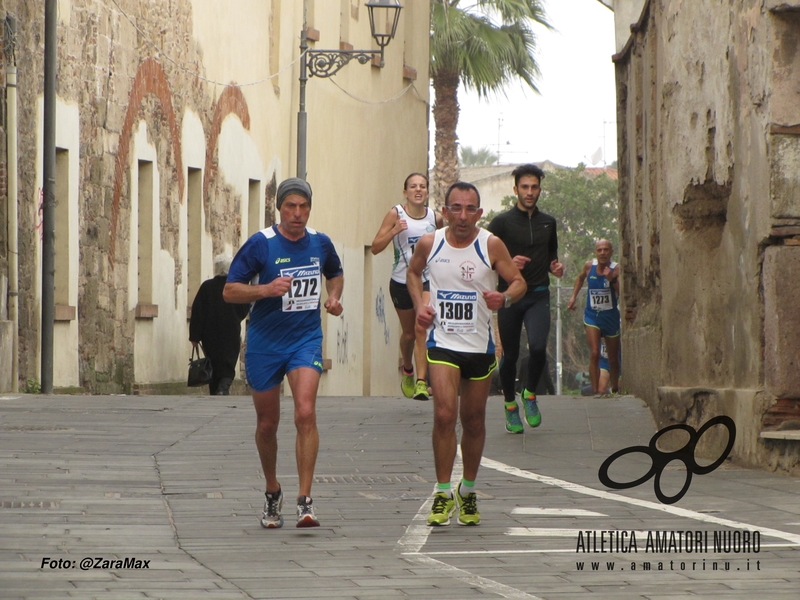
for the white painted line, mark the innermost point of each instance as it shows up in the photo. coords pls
(556, 512)
(667, 508)
(540, 532)
(417, 534)
(506, 591)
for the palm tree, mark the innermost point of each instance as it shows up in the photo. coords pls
(484, 45)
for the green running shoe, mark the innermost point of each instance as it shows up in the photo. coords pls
(513, 422)
(407, 384)
(421, 390)
(532, 414)
(443, 507)
(467, 508)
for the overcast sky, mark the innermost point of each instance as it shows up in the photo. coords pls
(574, 116)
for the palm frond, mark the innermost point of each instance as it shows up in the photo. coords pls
(487, 55)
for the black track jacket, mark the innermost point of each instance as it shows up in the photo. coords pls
(534, 237)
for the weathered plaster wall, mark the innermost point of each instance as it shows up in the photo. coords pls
(151, 81)
(707, 109)
(626, 13)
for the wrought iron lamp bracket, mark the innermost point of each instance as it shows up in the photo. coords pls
(326, 63)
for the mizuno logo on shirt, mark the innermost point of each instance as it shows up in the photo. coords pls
(300, 272)
(462, 296)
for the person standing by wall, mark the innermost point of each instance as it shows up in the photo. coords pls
(531, 239)
(403, 225)
(463, 262)
(284, 337)
(217, 325)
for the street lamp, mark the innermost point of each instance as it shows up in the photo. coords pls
(383, 18)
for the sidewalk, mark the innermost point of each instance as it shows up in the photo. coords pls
(175, 480)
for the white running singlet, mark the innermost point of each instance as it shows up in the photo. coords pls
(405, 241)
(458, 277)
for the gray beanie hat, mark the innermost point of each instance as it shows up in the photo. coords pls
(293, 185)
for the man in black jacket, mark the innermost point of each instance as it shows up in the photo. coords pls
(218, 326)
(531, 239)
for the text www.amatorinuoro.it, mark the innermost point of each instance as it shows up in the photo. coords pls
(672, 565)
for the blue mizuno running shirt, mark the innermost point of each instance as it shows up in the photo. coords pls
(278, 324)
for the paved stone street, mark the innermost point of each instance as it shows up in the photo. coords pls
(175, 480)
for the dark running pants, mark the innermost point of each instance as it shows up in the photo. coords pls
(533, 311)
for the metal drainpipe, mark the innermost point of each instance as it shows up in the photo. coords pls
(49, 201)
(13, 211)
(559, 350)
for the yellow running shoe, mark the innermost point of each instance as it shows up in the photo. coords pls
(467, 508)
(421, 390)
(443, 507)
(407, 384)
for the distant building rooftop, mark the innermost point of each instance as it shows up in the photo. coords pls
(482, 174)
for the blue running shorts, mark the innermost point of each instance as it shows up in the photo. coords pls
(607, 321)
(265, 371)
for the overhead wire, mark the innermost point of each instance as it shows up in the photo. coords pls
(163, 54)
(160, 52)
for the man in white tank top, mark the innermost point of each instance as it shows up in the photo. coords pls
(462, 262)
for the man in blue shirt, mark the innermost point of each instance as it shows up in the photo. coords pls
(279, 271)
(601, 315)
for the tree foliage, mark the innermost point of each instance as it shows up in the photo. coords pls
(482, 157)
(585, 207)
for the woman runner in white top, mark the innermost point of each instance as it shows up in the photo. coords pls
(403, 225)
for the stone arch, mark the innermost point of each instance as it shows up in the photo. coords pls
(150, 79)
(231, 101)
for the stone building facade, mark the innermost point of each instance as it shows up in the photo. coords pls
(709, 173)
(175, 121)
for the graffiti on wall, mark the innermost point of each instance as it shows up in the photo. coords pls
(341, 342)
(380, 312)
(40, 215)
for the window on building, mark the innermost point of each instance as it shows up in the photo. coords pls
(62, 227)
(194, 251)
(63, 244)
(253, 202)
(145, 231)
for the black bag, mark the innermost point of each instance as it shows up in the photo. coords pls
(200, 371)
